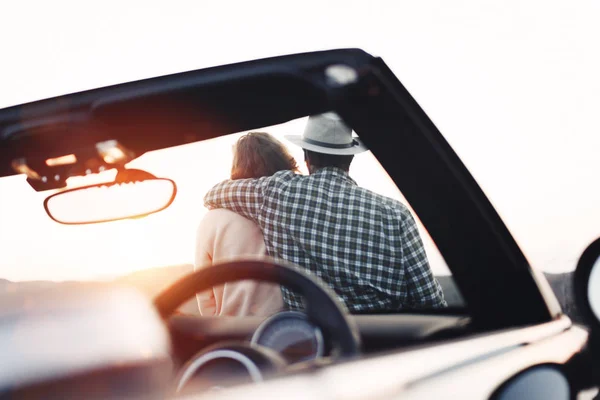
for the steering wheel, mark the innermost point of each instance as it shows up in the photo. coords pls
(321, 305)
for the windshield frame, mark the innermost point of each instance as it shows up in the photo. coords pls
(476, 245)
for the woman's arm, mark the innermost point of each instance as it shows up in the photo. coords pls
(205, 237)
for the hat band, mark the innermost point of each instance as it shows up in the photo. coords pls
(331, 145)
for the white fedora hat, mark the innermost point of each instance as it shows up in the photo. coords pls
(327, 133)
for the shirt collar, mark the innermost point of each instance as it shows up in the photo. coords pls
(334, 172)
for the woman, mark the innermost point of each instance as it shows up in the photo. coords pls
(224, 235)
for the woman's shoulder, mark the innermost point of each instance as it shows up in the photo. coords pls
(221, 217)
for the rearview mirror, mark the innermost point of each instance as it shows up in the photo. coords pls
(587, 285)
(110, 201)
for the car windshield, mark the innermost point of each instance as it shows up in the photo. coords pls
(153, 251)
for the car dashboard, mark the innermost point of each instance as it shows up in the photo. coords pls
(378, 332)
(219, 352)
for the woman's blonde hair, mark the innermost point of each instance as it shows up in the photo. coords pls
(259, 154)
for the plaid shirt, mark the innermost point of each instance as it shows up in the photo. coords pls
(365, 246)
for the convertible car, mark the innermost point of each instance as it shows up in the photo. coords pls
(140, 155)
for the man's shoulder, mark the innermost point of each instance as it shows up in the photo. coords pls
(284, 175)
(284, 178)
(386, 204)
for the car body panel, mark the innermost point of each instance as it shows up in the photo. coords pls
(481, 379)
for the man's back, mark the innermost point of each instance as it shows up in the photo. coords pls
(363, 245)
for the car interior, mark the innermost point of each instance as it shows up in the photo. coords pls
(134, 161)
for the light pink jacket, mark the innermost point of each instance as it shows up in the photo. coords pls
(224, 235)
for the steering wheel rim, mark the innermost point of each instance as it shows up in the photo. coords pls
(321, 303)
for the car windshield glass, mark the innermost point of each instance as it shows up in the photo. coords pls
(153, 251)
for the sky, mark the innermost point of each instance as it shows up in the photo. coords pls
(513, 86)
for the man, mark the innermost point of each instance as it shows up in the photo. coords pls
(365, 246)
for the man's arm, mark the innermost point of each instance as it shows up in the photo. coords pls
(242, 196)
(424, 291)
